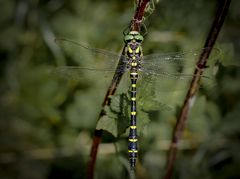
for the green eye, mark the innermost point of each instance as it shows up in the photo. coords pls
(139, 38)
(128, 38)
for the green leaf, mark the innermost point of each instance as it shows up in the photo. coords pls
(108, 124)
(117, 115)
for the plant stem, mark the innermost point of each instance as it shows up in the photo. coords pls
(201, 64)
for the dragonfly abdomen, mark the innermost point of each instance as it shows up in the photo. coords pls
(132, 146)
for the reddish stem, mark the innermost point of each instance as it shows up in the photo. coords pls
(180, 125)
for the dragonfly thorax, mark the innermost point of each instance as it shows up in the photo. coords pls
(134, 55)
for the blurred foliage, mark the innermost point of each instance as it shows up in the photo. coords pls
(47, 122)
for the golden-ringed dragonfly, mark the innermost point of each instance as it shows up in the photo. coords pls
(149, 68)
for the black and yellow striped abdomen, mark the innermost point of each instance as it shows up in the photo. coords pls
(133, 53)
(132, 145)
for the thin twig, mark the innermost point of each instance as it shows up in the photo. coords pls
(139, 15)
(201, 65)
(135, 25)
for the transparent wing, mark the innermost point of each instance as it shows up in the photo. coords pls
(176, 62)
(89, 58)
(85, 63)
(80, 73)
(177, 69)
(165, 81)
(99, 63)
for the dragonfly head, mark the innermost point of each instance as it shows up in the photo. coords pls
(134, 36)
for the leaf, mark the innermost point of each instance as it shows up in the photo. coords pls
(108, 124)
(142, 121)
(117, 118)
(117, 115)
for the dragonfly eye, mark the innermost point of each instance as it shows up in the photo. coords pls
(128, 38)
(139, 38)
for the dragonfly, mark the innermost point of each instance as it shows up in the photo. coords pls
(153, 67)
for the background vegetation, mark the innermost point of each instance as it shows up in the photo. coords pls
(46, 122)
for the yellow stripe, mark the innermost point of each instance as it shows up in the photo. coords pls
(137, 50)
(133, 99)
(133, 140)
(134, 57)
(134, 64)
(132, 151)
(133, 127)
(130, 50)
(134, 85)
(133, 113)
(133, 73)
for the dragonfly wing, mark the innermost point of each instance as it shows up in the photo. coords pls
(86, 64)
(169, 81)
(88, 57)
(176, 61)
(79, 73)
(177, 69)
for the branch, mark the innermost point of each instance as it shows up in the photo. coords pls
(139, 15)
(201, 64)
(135, 25)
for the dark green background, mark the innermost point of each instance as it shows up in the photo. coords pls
(46, 122)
